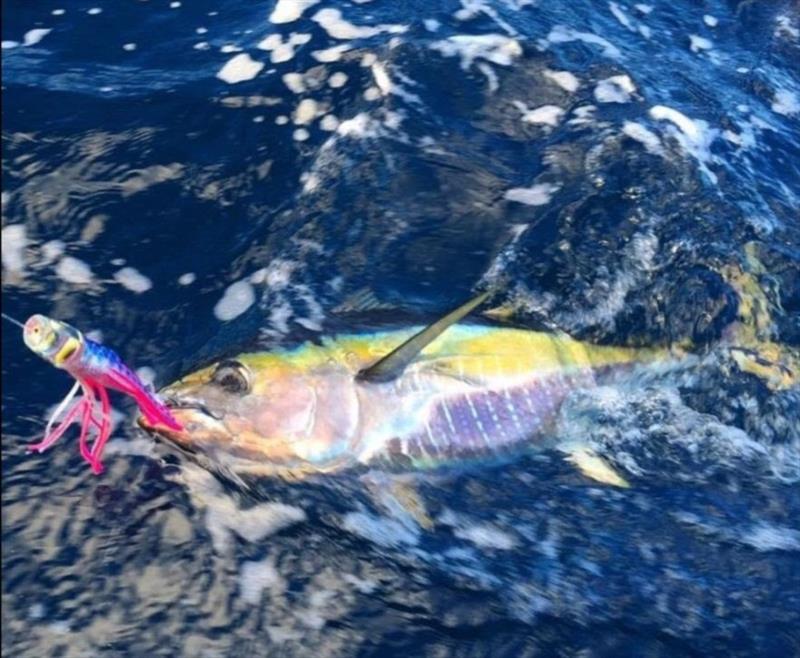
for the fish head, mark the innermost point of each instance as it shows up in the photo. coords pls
(51, 339)
(262, 414)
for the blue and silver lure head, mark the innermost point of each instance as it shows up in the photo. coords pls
(52, 340)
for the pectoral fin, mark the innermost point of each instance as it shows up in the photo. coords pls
(595, 467)
(393, 364)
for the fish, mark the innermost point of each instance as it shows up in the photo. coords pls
(403, 399)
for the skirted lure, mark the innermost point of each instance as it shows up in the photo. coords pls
(96, 368)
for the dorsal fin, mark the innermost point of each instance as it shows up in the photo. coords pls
(393, 364)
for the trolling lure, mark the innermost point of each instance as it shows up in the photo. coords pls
(96, 368)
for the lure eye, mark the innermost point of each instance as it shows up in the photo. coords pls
(232, 376)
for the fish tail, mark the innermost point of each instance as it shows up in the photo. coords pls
(749, 338)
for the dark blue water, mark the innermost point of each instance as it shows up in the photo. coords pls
(607, 167)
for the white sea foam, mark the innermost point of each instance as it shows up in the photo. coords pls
(765, 537)
(786, 102)
(646, 137)
(329, 123)
(32, 37)
(548, 115)
(300, 135)
(283, 51)
(332, 54)
(710, 20)
(257, 576)
(536, 195)
(288, 11)
(237, 299)
(337, 80)
(698, 43)
(694, 135)
(616, 89)
(331, 21)
(14, 242)
(381, 531)
(494, 48)
(133, 280)
(146, 374)
(564, 79)
(294, 81)
(306, 111)
(73, 270)
(563, 34)
(240, 68)
(621, 16)
(187, 279)
(8, 44)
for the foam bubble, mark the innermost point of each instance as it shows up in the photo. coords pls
(548, 115)
(494, 48)
(255, 577)
(187, 279)
(281, 120)
(239, 68)
(698, 43)
(94, 11)
(785, 102)
(14, 242)
(380, 531)
(772, 538)
(616, 89)
(73, 270)
(238, 297)
(694, 136)
(710, 20)
(288, 11)
(333, 54)
(337, 80)
(329, 123)
(300, 135)
(230, 48)
(8, 45)
(643, 8)
(306, 111)
(536, 195)
(52, 250)
(644, 136)
(283, 51)
(564, 79)
(431, 24)
(146, 374)
(33, 37)
(58, 12)
(485, 535)
(133, 280)
(130, 47)
(331, 21)
(294, 81)
(372, 94)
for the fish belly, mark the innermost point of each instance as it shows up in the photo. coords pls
(483, 423)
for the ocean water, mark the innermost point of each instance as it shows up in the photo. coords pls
(186, 179)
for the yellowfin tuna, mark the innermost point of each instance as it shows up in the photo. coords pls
(446, 392)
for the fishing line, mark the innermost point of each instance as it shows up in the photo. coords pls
(12, 320)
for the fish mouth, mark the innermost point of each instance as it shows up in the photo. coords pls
(199, 423)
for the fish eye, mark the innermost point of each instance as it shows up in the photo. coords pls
(232, 376)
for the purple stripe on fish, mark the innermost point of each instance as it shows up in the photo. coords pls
(490, 421)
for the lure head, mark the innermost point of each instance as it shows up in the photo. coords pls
(52, 340)
(263, 414)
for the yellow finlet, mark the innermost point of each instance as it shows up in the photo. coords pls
(595, 467)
